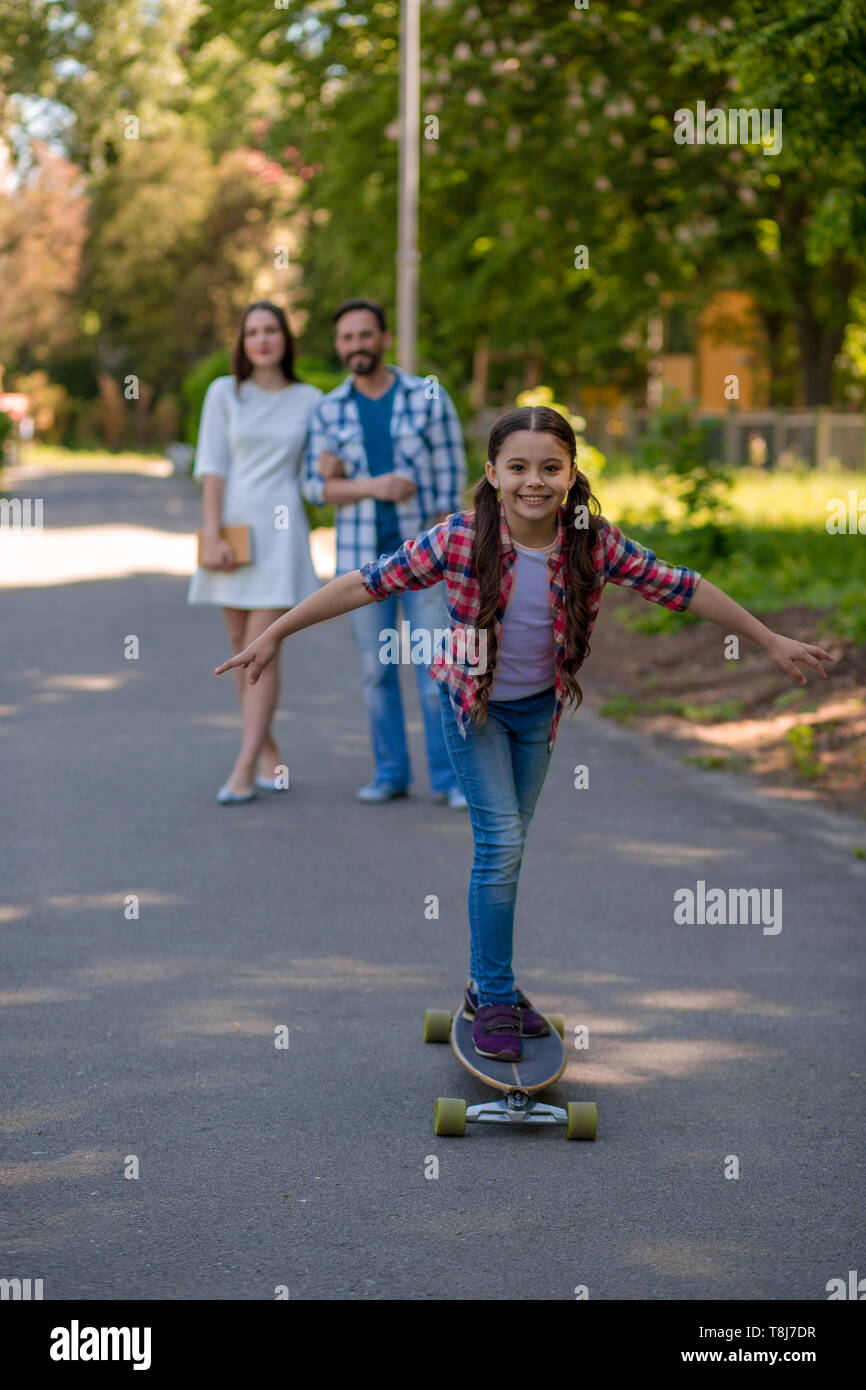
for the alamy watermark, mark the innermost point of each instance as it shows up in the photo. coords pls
(846, 517)
(855, 1288)
(21, 513)
(467, 647)
(729, 907)
(20, 1289)
(77, 1343)
(734, 125)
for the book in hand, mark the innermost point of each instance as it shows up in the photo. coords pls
(238, 538)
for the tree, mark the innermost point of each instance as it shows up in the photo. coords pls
(43, 225)
(807, 60)
(556, 130)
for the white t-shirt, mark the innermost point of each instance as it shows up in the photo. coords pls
(526, 661)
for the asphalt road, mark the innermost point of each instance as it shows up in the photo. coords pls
(304, 1166)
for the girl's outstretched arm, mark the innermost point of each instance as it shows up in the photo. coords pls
(340, 595)
(709, 602)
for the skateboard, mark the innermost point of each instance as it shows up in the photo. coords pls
(542, 1063)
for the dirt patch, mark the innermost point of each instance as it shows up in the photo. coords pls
(806, 742)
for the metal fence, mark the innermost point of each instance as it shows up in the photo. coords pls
(820, 438)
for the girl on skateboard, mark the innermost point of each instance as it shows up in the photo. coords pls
(524, 572)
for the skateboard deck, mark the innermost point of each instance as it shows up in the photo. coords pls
(542, 1062)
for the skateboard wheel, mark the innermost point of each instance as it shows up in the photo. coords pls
(558, 1022)
(582, 1120)
(437, 1026)
(450, 1117)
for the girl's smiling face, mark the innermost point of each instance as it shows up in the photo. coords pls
(534, 471)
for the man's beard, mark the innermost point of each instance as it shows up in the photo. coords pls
(363, 364)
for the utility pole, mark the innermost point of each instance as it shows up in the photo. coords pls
(407, 243)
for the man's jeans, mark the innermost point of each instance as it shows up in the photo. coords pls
(501, 766)
(424, 609)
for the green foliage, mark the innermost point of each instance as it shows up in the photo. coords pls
(651, 617)
(623, 708)
(555, 131)
(713, 762)
(790, 698)
(318, 372)
(848, 618)
(802, 743)
(677, 448)
(775, 550)
(716, 712)
(194, 386)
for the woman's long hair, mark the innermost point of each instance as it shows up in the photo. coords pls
(579, 574)
(241, 365)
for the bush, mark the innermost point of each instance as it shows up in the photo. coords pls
(193, 389)
(81, 426)
(677, 448)
(848, 618)
(318, 372)
(163, 421)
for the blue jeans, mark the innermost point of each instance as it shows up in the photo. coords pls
(501, 766)
(424, 609)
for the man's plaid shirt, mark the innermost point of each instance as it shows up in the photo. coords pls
(444, 553)
(428, 449)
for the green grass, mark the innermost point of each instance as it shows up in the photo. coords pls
(775, 552)
(714, 762)
(623, 707)
(802, 743)
(793, 697)
(716, 712)
(620, 707)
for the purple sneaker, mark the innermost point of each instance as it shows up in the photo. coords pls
(532, 1024)
(496, 1032)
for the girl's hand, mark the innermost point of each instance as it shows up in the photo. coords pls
(256, 656)
(217, 554)
(786, 653)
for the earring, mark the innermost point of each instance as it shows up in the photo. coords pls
(499, 494)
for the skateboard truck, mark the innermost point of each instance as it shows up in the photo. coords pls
(516, 1108)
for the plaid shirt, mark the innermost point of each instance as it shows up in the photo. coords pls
(428, 448)
(444, 553)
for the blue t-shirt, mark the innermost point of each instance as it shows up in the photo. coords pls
(375, 416)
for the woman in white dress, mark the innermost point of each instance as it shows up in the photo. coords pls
(250, 451)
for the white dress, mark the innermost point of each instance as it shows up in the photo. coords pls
(256, 441)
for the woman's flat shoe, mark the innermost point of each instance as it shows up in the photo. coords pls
(269, 784)
(227, 798)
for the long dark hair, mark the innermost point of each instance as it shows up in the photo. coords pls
(241, 365)
(579, 574)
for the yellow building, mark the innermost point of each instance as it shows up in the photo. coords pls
(725, 365)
